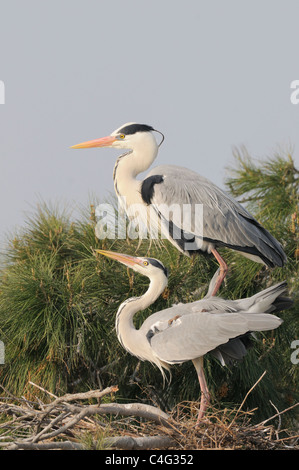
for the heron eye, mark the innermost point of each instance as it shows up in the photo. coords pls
(145, 263)
(121, 136)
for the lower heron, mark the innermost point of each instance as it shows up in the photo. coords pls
(188, 331)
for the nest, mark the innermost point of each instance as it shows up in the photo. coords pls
(68, 424)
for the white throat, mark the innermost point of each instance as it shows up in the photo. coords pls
(129, 165)
(131, 338)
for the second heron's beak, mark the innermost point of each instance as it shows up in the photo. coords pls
(102, 142)
(127, 260)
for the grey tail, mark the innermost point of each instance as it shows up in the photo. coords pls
(280, 302)
(271, 252)
(236, 348)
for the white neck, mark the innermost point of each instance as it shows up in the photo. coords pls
(129, 165)
(129, 337)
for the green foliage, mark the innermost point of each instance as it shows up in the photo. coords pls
(270, 191)
(58, 302)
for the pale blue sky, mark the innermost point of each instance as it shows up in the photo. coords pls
(210, 75)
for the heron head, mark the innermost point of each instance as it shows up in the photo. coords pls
(128, 136)
(147, 266)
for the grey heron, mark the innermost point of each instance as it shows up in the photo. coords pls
(223, 222)
(186, 332)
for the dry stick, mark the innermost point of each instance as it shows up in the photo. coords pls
(279, 420)
(42, 389)
(67, 398)
(8, 393)
(277, 414)
(65, 445)
(64, 428)
(287, 438)
(23, 413)
(38, 436)
(78, 396)
(85, 395)
(246, 396)
(135, 409)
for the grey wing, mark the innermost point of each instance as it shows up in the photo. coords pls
(163, 317)
(194, 335)
(210, 215)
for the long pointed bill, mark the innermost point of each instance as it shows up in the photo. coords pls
(127, 260)
(103, 142)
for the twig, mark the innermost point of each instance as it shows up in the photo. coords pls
(279, 419)
(288, 438)
(64, 428)
(246, 396)
(42, 433)
(42, 389)
(277, 414)
(84, 396)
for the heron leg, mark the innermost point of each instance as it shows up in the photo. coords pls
(205, 394)
(222, 272)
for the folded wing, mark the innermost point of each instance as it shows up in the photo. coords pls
(192, 336)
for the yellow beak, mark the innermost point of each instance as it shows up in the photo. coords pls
(122, 258)
(102, 142)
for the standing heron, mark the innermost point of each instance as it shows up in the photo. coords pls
(222, 222)
(186, 332)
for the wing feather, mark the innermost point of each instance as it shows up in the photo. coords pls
(194, 335)
(224, 221)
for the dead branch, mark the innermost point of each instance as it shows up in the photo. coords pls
(123, 443)
(134, 409)
(64, 445)
(85, 396)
